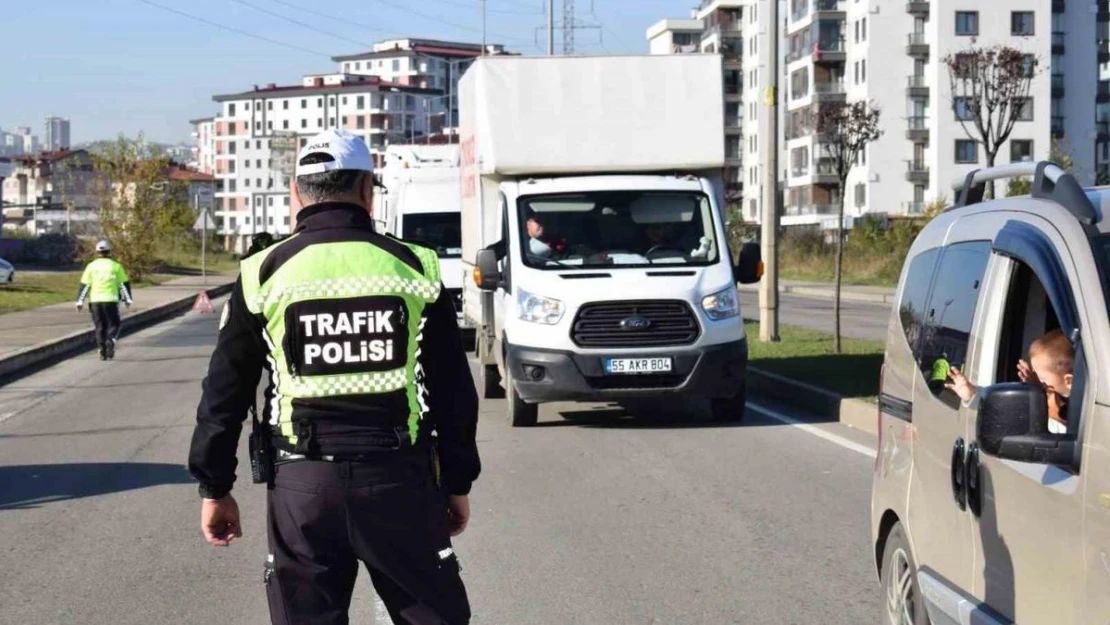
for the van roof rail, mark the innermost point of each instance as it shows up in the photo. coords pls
(1050, 182)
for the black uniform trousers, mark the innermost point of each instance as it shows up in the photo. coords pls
(326, 517)
(106, 319)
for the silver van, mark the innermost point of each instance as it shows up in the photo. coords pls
(994, 507)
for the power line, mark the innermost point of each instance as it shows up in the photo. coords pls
(401, 7)
(335, 17)
(299, 23)
(501, 11)
(235, 30)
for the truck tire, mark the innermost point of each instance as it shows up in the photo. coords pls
(729, 409)
(902, 600)
(521, 414)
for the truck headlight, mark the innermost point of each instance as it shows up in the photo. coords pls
(722, 304)
(539, 309)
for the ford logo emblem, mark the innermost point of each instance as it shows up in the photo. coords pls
(635, 323)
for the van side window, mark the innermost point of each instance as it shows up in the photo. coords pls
(915, 295)
(949, 315)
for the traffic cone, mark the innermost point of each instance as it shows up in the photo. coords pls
(202, 304)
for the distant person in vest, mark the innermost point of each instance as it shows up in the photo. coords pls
(103, 285)
(370, 411)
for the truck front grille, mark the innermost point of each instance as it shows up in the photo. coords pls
(606, 324)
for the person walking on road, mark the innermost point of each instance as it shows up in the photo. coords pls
(370, 410)
(103, 284)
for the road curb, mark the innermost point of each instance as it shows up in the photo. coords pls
(824, 404)
(827, 293)
(38, 357)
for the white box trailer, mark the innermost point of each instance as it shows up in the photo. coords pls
(421, 201)
(593, 223)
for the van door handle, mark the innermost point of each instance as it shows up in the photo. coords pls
(971, 480)
(957, 469)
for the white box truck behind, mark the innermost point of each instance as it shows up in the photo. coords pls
(421, 202)
(592, 221)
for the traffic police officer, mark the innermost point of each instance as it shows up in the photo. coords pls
(364, 361)
(103, 284)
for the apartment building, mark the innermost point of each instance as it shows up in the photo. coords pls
(423, 63)
(892, 52)
(203, 158)
(252, 193)
(50, 192)
(716, 27)
(57, 134)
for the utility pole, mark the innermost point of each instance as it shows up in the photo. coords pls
(769, 287)
(203, 238)
(550, 27)
(568, 27)
(483, 27)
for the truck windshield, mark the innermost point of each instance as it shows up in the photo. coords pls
(617, 229)
(438, 230)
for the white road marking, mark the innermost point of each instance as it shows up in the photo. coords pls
(381, 615)
(814, 430)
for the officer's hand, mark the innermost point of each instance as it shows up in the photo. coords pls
(79, 306)
(458, 513)
(219, 520)
(128, 304)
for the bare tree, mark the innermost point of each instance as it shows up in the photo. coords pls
(990, 90)
(845, 130)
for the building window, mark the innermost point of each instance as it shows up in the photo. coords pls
(287, 200)
(231, 110)
(246, 182)
(347, 67)
(396, 65)
(360, 122)
(258, 163)
(360, 102)
(285, 105)
(246, 163)
(344, 100)
(319, 122)
(269, 125)
(270, 201)
(967, 22)
(231, 186)
(286, 220)
(331, 122)
(331, 101)
(304, 123)
(231, 166)
(231, 147)
(1021, 150)
(320, 102)
(270, 219)
(304, 141)
(258, 183)
(285, 124)
(857, 30)
(269, 105)
(863, 70)
(962, 107)
(967, 151)
(304, 104)
(231, 222)
(864, 29)
(258, 144)
(861, 195)
(1025, 110)
(1021, 23)
(257, 220)
(246, 106)
(258, 125)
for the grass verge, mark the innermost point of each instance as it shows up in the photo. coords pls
(43, 288)
(806, 355)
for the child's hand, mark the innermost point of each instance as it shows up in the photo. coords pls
(1026, 373)
(960, 385)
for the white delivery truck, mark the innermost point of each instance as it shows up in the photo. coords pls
(593, 226)
(420, 202)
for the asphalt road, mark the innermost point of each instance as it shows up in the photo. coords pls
(857, 319)
(593, 517)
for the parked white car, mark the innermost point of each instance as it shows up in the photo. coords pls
(7, 271)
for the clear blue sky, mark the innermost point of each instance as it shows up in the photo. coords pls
(125, 66)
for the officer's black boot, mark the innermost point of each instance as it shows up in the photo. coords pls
(103, 353)
(110, 349)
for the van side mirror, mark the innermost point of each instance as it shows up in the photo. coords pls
(486, 274)
(749, 266)
(1013, 425)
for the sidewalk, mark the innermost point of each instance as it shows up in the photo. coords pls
(25, 331)
(821, 290)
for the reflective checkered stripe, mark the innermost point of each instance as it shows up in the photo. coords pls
(356, 270)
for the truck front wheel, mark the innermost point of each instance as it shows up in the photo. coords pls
(521, 414)
(729, 409)
(489, 377)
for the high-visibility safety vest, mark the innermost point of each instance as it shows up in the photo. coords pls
(104, 278)
(342, 318)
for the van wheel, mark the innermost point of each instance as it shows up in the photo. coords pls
(902, 602)
(521, 414)
(729, 409)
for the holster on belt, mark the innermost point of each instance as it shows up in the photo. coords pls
(261, 450)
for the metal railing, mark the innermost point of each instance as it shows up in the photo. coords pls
(733, 88)
(1057, 38)
(917, 123)
(824, 166)
(1057, 125)
(1057, 81)
(916, 39)
(913, 208)
(798, 171)
(811, 209)
(828, 88)
(915, 81)
(914, 167)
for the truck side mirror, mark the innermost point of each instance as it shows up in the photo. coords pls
(486, 275)
(749, 267)
(1013, 425)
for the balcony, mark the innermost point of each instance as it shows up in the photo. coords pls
(918, 8)
(799, 171)
(1102, 129)
(1058, 6)
(916, 87)
(1103, 47)
(1057, 126)
(811, 209)
(824, 171)
(1057, 42)
(825, 91)
(917, 45)
(829, 52)
(913, 208)
(917, 173)
(1102, 96)
(917, 129)
(1057, 86)
(734, 157)
(734, 122)
(829, 9)
(733, 89)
